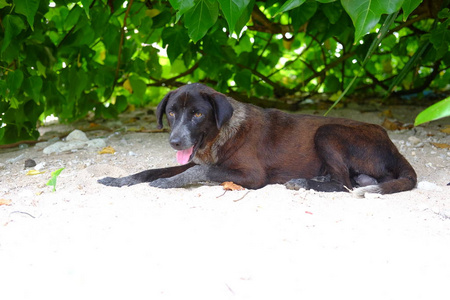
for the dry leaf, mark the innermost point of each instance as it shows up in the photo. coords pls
(107, 150)
(446, 130)
(5, 202)
(387, 113)
(34, 172)
(127, 85)
(442, 146)
(395, 125)
(230, 186)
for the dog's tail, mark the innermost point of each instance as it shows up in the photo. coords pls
(406, 180)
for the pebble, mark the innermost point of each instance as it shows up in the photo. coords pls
(74, 141)
(40, 166)
(414, 140)
(428, 186)
(29, 163)
(77, 135)
(2, 166)
(13, 160)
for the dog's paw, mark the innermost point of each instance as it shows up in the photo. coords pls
(118, 182)
(326, 178)
(296, 184)
(163, 183)
(361, 191)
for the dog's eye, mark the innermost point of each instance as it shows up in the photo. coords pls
(171, 113)
(198, 115)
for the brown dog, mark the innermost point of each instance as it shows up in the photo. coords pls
(220, 139)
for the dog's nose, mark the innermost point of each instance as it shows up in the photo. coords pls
(176, 143)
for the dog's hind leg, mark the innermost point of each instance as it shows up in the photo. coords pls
(320, 183)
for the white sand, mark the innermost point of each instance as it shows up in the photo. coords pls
(88, 241)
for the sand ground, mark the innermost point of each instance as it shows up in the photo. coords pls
(88, 241)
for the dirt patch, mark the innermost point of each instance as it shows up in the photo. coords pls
(87, 241)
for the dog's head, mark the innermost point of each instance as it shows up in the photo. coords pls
(195, 113)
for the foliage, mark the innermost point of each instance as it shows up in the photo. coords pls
(436, 111)
(69, 58)
(52, 181)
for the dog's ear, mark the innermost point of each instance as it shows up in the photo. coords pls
(160, 110)
(221, 106)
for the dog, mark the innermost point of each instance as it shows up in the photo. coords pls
(220, 139)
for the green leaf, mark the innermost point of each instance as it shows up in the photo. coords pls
(86, 5)
(333, 12)
(288, 5)
(13, 26)
(245, 16)
(3, 3)
(200, 18)
(365, 14)
(14, 81)
(440, 38)
(232, 10)
(73, 17)
(139, 88)
(436, 111)
(52, 181)
(182, 6)
(177, 41)
(121, 103)
(302, 14)
(33, 86)
(28, 8)
(78, 80)
(243, 80)
(409, 6)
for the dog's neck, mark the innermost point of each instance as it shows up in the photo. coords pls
(208, 154)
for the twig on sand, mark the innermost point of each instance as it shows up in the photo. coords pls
(22, 212)
(241, 197)
(222, 194)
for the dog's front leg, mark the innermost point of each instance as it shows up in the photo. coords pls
(145, 176)
(192, 175)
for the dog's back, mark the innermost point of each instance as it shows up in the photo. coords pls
(278, 146)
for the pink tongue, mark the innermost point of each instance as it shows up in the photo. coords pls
(183, 155)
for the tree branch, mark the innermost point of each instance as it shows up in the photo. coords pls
(172, 81)
(122, 38)
(262, 24)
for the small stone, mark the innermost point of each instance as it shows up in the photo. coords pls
(414, 140)
(428, 186)
(40, 166)
(29, 163)
(96, 143)
(15, 159)
(2, 166)
(77, 135)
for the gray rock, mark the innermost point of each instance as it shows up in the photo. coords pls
(74, 141)
(77, 135)
(428, 186)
